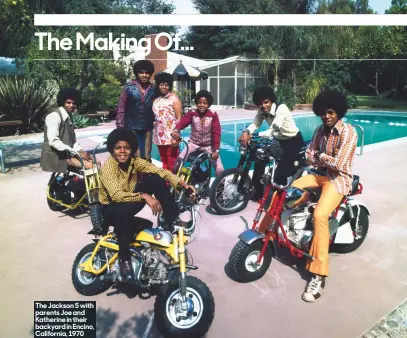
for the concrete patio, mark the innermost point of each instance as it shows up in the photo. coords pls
(39, 246)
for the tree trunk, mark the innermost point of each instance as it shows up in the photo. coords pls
(276, 76)
(377, 84)
(397, 85)
(294, 77)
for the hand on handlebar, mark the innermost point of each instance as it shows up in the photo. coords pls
(175, 135)
(244, 139)
(188, 188)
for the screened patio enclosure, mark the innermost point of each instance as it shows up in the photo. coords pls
(230, 81)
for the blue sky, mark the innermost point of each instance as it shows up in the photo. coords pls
(186, 7)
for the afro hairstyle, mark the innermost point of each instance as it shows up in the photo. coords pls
(204, 93)
(143, 65)
(263, 93)
(163, 77)
(69, 93)
(122, 134)
(330, 99)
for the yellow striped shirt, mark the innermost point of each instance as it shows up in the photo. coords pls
(118, 185)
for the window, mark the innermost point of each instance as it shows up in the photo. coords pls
(213, 71)
(241, 92)
(203, 84)
(227, 69)
(241, 67)
(214, 89)
(227, 91)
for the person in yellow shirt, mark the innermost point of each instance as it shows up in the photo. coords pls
(123, 195)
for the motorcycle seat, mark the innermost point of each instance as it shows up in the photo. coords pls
(315, 194)
(194, 155)
(355, 184)
(75, 170)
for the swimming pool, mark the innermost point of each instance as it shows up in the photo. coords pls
(378, 127)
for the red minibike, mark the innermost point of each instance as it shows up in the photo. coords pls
(290, 225)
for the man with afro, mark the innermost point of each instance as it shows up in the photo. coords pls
(332, 151)
(283, 129)
(134, 110)
(59, 135)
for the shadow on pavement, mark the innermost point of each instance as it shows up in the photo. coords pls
(210, 211)
(132, 292)
(283, 256)
(228, 272)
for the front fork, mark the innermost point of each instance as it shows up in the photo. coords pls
(245, 173)
(182, 268)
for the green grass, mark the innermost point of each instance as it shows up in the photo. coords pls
(373, 102)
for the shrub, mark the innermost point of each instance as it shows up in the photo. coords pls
(22, 99)
(286, 94)
(81, 121)
(352, 100)
(312, 86)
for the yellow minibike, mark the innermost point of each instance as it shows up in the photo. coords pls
(184, 306)
(77, 188)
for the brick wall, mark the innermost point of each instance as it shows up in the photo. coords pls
(157, 57)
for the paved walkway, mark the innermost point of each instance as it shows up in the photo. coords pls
(39, 246)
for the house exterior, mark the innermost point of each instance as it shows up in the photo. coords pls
(229, 79)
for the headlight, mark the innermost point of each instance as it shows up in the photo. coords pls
(261, 153)
(242, 150)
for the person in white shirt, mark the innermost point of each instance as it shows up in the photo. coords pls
(282, 128)
(59, 135)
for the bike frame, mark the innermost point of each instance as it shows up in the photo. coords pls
(176, 250)
(246, 161)
(186, 173)
(92, 183)
(274, 212)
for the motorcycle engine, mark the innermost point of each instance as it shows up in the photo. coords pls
(153, 269)
(298, 227)
(200, 173)
(135, 264)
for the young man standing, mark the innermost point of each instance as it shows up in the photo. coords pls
(135, 108)
(59, 135)
(282, 128)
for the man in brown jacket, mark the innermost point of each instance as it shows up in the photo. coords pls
(59, 135)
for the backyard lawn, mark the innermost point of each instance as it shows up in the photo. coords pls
(374, 102)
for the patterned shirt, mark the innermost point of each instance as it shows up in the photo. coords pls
(203, 135)
(337, 152)
(165, 119)
(118, 185)
(53, 121)
(280, 120)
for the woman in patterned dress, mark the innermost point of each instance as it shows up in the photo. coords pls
(167, 109)
(205, 129)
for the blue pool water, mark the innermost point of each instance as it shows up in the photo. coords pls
(378, 127)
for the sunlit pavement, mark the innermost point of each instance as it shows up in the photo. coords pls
(39, 246)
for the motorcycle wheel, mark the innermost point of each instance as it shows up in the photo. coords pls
(85, 283)
(201, 305)
(242, 261)
(55, 193)
(96, 217)
(231, 190)
(363, 225)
